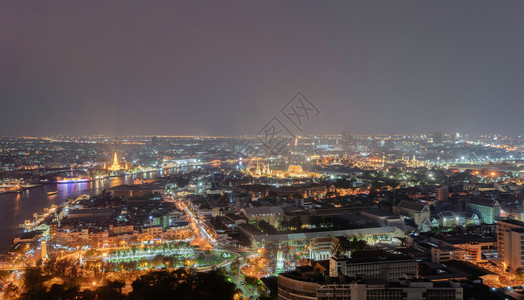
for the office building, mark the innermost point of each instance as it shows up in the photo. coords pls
(301, 284)
(503, 227)
(373, 264)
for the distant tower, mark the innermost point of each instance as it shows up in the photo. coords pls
(348, 140)
(257, 169)
(280, 260)
(437, 137)
(154, 141)
(267, 172)
(115, 161)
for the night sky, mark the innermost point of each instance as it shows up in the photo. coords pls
(220, 67)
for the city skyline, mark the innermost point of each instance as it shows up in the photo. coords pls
(271, 150)
(226, 69)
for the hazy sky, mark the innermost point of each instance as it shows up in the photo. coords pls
(220, 67)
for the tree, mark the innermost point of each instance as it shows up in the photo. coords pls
(157, 260)
(519, 275)
(33, 283)
(62, 291)
(11, 291)
(235, 266)
(357, 244)
(296, 223)
(284, 224)
(90, 253)
(111, 290)
(4, 275)
(182, 284)
(33, 278)
(251, 281)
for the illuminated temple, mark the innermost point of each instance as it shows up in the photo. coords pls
(295, 171)
(258, 169)
(116, 165)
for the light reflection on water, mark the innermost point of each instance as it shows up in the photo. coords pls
(15, 208)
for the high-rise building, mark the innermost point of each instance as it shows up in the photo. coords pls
(503, 227)
(348, 140)
(154, 141)
(437, 137)
(513, 250)
(443, 193)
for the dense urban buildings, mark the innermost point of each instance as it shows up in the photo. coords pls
(310, 222)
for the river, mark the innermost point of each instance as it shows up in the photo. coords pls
(16, 208)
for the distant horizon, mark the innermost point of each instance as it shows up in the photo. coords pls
(254, 135)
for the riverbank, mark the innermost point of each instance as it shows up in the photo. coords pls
(5, 189)
(15, 208)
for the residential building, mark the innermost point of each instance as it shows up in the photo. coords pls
(488, 210)
(504, 226)
(514, 249)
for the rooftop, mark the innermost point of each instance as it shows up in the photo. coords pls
(484, 201)
(253, 211)
(412, 205)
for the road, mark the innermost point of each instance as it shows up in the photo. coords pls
(204, 242)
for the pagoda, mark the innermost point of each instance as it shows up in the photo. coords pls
(115, 166)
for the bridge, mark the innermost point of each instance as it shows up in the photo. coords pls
(23, 264)
(13, 267)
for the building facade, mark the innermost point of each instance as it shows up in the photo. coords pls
(504, 226)
(294, 287)
(488, 210)
(415, 210)
(514, 249)
(389, 268)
